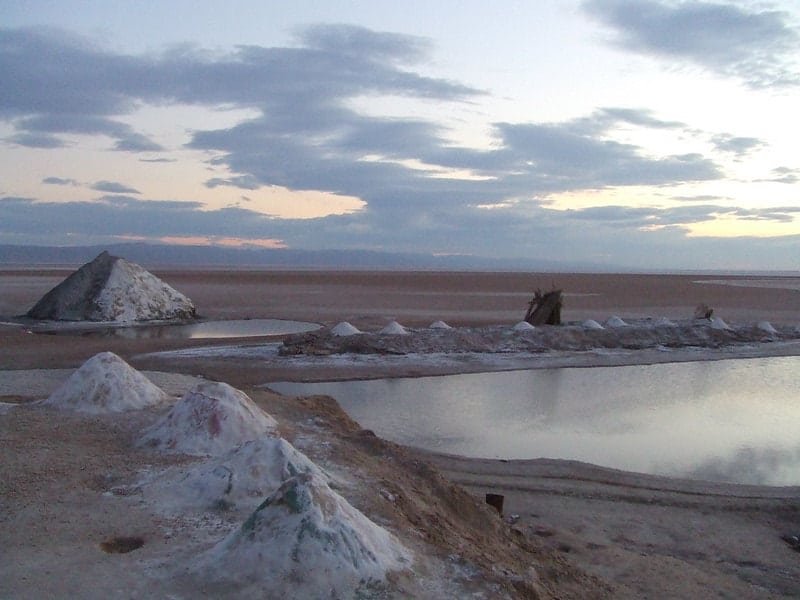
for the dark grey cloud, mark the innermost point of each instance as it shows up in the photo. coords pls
(737, 145)
(680, 216)
(245, 182)
(113, 187)
(36, 140)
(59, 181)
(158, 160)
(126, 139)
(758, 46)
(698, 198)
(785, 175)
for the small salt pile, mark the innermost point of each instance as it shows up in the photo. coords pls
(591, 324)
(767, 327)
(211, 419)
(304, 541)
(718, 323)
(439, 325)
(106, 384)
(615, 322)
(523, 326)
(344, 329)
(394, 328)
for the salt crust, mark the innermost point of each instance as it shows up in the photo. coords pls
(394, 328)
(211, 419)
(106, 384)
(664, 322)
(345, 329)
(305, 541)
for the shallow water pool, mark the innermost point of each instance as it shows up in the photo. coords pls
(730, 420)
(203, 330)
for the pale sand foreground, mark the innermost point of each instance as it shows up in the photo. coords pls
(644, 536)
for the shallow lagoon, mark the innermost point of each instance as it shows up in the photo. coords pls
(730, 420)
(202, 330)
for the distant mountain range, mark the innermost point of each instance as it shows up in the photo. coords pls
(162, 255)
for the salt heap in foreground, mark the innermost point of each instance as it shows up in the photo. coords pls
(211, 419)
(305, 541)
(242, 477)
(112, 289)
(106, 384)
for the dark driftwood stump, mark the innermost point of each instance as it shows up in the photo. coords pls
(545, 309)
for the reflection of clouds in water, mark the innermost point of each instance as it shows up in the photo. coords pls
(758, 466)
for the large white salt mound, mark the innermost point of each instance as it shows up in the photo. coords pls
(105, 384)
(718, 323)
(767, 327)
(211, 419)
(439, 325)
(615, 322)
(243, 476)
(344, 329)
(110, 288)
(523, 326)
(133, 294)
(305, 541)
(591, 324)
(394, 328)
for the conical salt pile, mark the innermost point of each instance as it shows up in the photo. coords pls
(394, 328)
(103, 384)
(248, 472)
(524, 326)
(305, 541)
(719, 323)
(110, 288)
(591, 324)
(344, 329)
(766, 327)
(439, 325)
(615, 322)
(211, 419)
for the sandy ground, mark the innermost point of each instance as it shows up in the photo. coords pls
(586, 531)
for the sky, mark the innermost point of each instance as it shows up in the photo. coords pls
(645, 134)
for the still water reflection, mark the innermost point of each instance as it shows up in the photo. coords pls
(731, 420)
(202, 330)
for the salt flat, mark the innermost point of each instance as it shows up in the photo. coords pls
(588, 532)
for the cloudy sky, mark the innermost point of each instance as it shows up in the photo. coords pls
(636, 133)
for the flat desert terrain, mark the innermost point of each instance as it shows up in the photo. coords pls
(71, 484)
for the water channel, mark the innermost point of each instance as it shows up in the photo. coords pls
(731, 420)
